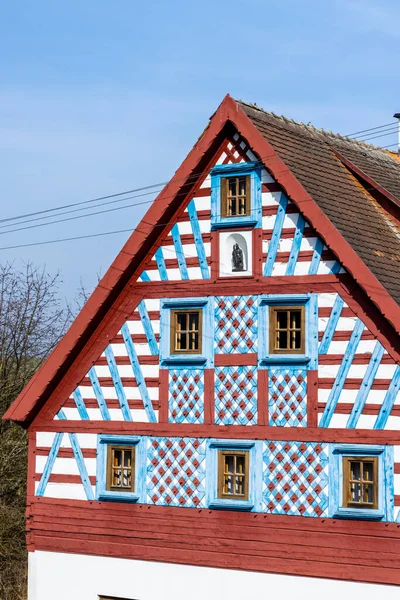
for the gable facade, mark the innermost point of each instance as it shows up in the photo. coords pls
(297, 416)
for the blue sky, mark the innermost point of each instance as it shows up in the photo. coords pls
(100, 97)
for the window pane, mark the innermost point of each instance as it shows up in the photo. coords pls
(368, 493)
(229, 463)
(127, 478)
(117, 460)
(181, 321)
(193, 321)
(240, 464)
(355, 470)
(295, 319)
(355, 492)
(239, 487)
(127, 458)
(281, 319)
(242, 186)
(282, 340)
(232, 186)
(368, 474)
(297, 340)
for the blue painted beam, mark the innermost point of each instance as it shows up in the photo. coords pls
(331, 325)
(144, 276)
(76, 449)
(98, 392)
(316, 259)
(342, 374)
(336, 268)
(276, 236)
(198, 240)
(137, 371)
(176, 238)
(148, 328)
(51, 459)
(123, 402)
(80, 405)
(365, 388)
(390, 398)
(159, 256)
(296, 243)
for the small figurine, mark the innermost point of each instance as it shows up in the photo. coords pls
(237, 258)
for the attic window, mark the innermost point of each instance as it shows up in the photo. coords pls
(235, 196)
(233, 474)
(121, 468)
(360, 482)
(186, 331)
(287, 329)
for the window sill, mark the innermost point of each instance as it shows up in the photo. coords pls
(184, 359)
(118, 496)
(223, 504)
(359, 513)
(233, 222)
(282, 359)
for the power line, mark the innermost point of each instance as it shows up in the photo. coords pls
(135, 190)
(370, 129)
(39, 212)
(382, 134)
(99, 212)
(70, 239)
(193, 175)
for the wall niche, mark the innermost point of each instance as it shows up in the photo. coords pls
(235, 249)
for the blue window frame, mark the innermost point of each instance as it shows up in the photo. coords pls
(310, 355)
(384, 456)
(206, 357)
(254, 501)
(139, 488)
(253, 170)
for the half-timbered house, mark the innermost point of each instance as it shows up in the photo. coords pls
(222, 419)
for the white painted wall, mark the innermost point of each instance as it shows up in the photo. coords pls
(56, 576)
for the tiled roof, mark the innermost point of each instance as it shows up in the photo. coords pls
(310, 154)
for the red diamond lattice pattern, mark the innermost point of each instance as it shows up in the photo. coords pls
(236, 396)
(235, 324)
(295, 478)
(176, 472)
(287, 397)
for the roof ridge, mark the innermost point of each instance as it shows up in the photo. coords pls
(320, 130)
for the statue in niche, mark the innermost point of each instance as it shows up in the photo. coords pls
(237, 258)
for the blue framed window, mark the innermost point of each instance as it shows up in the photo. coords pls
(121, 468)
(234, 478)
(236, 195)
(295, 319)
(186, 332)
(361, 482)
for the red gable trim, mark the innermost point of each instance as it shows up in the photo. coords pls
(113, 300)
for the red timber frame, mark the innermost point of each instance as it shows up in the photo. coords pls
(118, 294)
(326, 548)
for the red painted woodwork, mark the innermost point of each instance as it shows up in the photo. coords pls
(329, 548)
(312, 398)
(255, 432)
(262, 397)
(208, 396)
(163, 396)
(236, 360)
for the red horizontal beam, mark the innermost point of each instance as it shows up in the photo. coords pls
(349, 550)
(256, 432)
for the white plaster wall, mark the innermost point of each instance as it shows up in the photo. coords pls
(72, 576)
